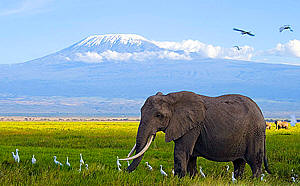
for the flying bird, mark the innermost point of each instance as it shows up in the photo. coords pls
(237, 47)
(233, 178)
(33, 160)
(243, 32)
(285, 27)
(201, 172)
(67, 163)
(57, 162)
(149, 166)
(162, 171)
(81, 160)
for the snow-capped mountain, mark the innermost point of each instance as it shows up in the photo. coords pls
(109, 67)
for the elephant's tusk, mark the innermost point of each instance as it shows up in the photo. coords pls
(140, 153)
(132, 150)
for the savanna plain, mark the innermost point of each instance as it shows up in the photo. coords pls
(101, 142)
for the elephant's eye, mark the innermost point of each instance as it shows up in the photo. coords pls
(159, 115)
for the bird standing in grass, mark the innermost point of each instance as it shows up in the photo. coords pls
(14, 156)
(81, 160)
(162, 171)
(67, 163)
(262, 177)
(17, 155)
(149, 166)
(227, 168)
(119, 164)
(201, 172)
(80, 167)
(33, 160)
(128, 163)
(57, 162)
(233, 178)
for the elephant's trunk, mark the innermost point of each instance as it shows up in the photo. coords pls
(143, 141)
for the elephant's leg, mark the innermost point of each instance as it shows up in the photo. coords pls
(239, 166)
(255, 161)
(180, 162)
(192, 166)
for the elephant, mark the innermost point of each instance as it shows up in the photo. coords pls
(282, 125)
(225, 128)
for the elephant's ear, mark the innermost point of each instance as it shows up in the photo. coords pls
(188, 111)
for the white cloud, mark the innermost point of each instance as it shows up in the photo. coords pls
(90, 57)
(290, 49)
(31, 6)
(207, 50)
(94, 57)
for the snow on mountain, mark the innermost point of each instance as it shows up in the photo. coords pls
(126, 47)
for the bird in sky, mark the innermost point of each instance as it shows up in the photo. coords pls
(162, 171)
(67, 163)
(149, 166)
(285, 27)
(202, 173)
(237, 47)
(33, 160)
(243, 32)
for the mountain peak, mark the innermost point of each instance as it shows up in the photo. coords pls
(113, 39)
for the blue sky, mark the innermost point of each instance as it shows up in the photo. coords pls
(35, 28)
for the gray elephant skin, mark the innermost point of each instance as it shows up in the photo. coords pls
(225, 128)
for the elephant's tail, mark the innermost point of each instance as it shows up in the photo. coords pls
(265, 158)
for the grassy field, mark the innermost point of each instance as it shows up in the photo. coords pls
(101, 142)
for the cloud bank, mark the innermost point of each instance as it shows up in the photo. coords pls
(291, 49)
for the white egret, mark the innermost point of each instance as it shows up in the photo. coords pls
(149, 166)
(173, 172)
(14, 156)
(17, 155)
(67, 163)
(119, 164)
(233, 178)
(293, 179)
(33, 160)
(80, 167)
(227, 168)
(128, 163)
(201, 172)
(162, 171)
(57, 162)
(81, 160)
(262, 177)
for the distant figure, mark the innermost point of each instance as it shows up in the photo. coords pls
(243, 32)
(285, 27)
(276, 123)
(237, 47)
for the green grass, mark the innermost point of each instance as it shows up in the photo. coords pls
(101, 142)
